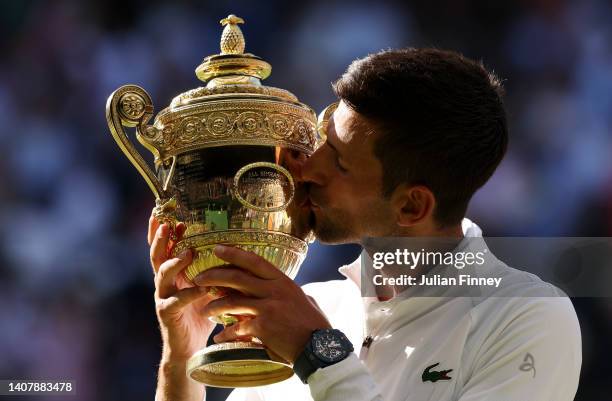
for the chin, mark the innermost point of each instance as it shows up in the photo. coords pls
(335, 240)
(325, 231)
(331, 235)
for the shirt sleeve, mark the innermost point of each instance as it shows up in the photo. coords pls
(243, 394)
(536, 357)
(346, 380)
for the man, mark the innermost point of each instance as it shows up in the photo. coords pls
(416, 133)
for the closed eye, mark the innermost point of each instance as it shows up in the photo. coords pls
(339, 166)
(336, 158)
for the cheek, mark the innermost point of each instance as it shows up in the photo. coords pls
(373, 213)
(342, 194)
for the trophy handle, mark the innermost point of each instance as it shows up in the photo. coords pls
(131, 106)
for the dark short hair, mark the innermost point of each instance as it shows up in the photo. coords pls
(440, 119)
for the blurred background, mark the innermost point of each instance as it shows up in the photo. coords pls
(75, 283)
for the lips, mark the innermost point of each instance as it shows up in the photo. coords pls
(307, 200)
(308, 203)
(313, 203)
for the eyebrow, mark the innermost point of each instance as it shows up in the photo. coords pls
(339, 156)
(331, 145)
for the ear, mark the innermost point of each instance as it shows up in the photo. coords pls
(413, 205)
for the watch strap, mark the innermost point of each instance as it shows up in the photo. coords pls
(306, 364)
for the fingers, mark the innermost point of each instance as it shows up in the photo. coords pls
(244, 328)
(166, 275)
(232, 304)
(179, 230)
(153, 226)
(159, 247)
(171, 306)
(232, 277)
(248, 261)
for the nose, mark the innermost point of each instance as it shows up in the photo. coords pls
(313, 169)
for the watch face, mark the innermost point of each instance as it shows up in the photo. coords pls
(329, 346)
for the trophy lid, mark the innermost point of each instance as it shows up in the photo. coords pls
(233, 108)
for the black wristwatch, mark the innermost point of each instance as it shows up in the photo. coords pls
(325, 347)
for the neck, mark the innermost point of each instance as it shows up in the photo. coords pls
(433, 231)
(429, 239)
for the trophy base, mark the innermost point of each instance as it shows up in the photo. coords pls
(237, 364)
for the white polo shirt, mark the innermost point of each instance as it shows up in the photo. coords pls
(495, 348)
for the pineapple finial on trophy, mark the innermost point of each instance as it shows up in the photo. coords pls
(232, 39)
(232, 66)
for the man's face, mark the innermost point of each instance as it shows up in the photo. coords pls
(344, 181)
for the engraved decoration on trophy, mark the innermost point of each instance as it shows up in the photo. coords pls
(224, 156)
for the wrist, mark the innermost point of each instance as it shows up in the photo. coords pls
(174, 384)
(171, 366)
(180, 353)
(171, 355)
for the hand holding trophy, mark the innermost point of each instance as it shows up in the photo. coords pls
(224, 159)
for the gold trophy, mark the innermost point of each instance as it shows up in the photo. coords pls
(224, 155)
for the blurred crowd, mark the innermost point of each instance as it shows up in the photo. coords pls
(75, 282)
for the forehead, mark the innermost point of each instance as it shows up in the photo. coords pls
(348, 128)
(353, 138)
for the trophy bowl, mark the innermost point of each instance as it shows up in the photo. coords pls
(226, 157)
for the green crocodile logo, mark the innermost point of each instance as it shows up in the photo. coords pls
(434, 376)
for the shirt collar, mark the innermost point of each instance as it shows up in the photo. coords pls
(352, 271)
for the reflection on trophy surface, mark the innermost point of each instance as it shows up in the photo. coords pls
(225, 160)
